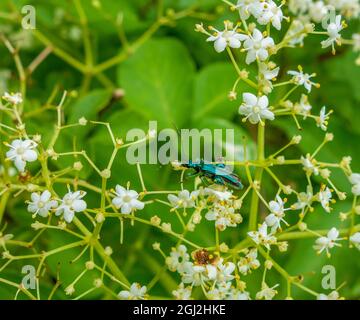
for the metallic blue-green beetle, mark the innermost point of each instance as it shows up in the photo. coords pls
(215, 172)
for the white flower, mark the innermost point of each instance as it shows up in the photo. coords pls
(318, 11)
(349, 8)
(355, 181)
(266, 292)
(277, 214)
(71, 203)
(309, 165)
(355, 240)
(271, 14)
(297, 33)
(267, 72)
(333, 31)
(182, 292)
(225, 270)
(248, 7)
(305, 200)
(193, 274)
(220, 292)
(210, 272)
(303, 107)
(328, 242)
(324, 197)
(249, 262)
(127, 200)
(257, 47)
(236, 294)
(255, 108)
(184, 199)
(334, 295)
(226, 38)
(13, 98)
(178, 258)
(322, 121)
(303, 79)
(224, 216)
(136, 292)
(41, 204)
(218, 195)
(22, 151)
(262, 237)
(298, 7)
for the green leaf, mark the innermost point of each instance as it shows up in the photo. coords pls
(303, 259)
(344, 69)
(88, 107)
(212, 86)
(158, 82)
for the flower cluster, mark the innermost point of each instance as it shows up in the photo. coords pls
(221, 206)
(43, 204)
(206, 270)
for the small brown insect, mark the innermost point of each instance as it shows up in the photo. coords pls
(24, 177)
(203, 257)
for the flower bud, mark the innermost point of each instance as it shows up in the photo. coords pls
(90, 265)
(341, 195)
(37, 138)
(106, 173)
(224, 247)
(83, 121)
(37, 225)
(283, 246)
(78, 166)
(197, 218)
(325, 173)
(100, 218)
(232, 96)
(166, 227)
(155, 221)
(302, 226)
(329, 137)
(98, 283)
(108, 251)
(200, 28)
(70, 290)
(343, 216)
(296, 139)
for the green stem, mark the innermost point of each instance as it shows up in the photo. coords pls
(258, 177)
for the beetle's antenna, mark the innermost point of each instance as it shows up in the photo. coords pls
(183, 152)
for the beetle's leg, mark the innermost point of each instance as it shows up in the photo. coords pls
(219, 180)
(193, 175)
(189, 175)
(204, 181)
